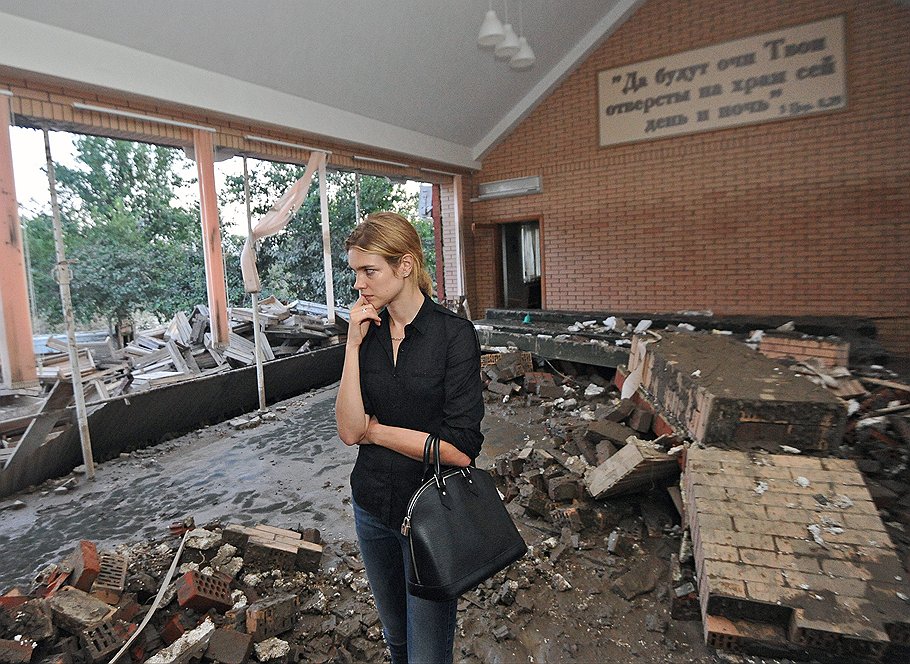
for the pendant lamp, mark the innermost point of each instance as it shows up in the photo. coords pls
(491, 32)
(524, 58)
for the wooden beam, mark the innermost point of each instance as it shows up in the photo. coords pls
(17, 355)
(211, 237)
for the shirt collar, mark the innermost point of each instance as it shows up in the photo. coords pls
(421, 320)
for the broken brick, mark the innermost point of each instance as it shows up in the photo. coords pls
(86, 565)
(563, 488)
(201, 593)
(621, 411)
(640, 420)
(175, 627)
(104, 639)
(228, 646)
(16, 652)
(111, 579)
(613, 432)
(12, 599)
(75, 610)
(271, 616)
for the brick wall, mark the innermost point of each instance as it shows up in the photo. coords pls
(802, 216)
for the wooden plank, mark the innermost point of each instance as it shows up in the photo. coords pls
(36, 433)
(177, 357)
(886, 383)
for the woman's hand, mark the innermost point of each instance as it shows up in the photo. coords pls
(362, 313)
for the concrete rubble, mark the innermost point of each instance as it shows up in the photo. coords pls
(841, 442)
(630, 557)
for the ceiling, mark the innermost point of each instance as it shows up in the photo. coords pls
(403, 76)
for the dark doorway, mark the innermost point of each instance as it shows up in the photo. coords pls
(521, 271)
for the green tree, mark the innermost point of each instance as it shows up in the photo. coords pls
(135, 247)
(290, 262)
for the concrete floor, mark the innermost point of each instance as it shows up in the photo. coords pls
(288, 472)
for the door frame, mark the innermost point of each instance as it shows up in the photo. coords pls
(498, 223)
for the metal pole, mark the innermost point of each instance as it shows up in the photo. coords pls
(326, 244)
(64, 278)
(257, 339)
(356, 198)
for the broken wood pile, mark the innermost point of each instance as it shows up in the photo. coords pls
(182, 349)
(238, 593)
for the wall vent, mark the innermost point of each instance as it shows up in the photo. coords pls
(506, 188)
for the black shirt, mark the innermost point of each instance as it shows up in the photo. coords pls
(435, 387)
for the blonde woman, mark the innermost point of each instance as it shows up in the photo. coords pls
(411, 368)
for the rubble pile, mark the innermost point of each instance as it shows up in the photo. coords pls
(183, 348)
(239, 594)
(602, 453)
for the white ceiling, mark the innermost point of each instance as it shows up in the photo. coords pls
(400, 75)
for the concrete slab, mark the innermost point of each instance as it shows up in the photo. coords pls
(724, 393)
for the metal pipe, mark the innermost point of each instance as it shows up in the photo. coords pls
(326, 245)
(257, 335)
(64, 278)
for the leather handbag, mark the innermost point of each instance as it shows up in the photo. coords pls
(459, 530)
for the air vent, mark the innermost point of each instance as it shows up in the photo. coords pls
(506, 188)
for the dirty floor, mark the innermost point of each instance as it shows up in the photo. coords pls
(292, 472)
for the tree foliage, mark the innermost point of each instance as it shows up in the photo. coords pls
(136, 244)
(291, 261)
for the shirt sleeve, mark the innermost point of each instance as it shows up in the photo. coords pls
(367, 404)
(463, 407)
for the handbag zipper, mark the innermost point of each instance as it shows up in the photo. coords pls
(406, 524)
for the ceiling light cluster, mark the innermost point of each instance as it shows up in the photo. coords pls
(502, 38)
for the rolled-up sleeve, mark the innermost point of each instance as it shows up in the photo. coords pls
(463, 407)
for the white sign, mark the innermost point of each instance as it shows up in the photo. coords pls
(782, 74)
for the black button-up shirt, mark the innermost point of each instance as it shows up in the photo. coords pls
(434, 387)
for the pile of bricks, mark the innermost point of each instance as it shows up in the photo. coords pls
(238, 590)
(791, 553)
(725, 394)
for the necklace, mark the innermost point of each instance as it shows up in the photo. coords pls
(397, 338)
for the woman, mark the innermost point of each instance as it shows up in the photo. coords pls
(411, 368)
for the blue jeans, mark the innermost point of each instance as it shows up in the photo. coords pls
(416, 630)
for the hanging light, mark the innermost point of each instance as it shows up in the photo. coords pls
(524, 57)
(509, 45)
(491, 32)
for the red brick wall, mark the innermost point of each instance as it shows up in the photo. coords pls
(806, 216)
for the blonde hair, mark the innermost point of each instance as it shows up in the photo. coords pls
(392, 236)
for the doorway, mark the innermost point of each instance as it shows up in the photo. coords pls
(521, 265)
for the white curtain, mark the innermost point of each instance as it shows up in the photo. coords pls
(277, 218)
(530, 252)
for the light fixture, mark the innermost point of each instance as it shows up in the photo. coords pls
(491, 32)
(509, 44)
(381, 161)
(139, 116)
(272, 141)
(524, 58)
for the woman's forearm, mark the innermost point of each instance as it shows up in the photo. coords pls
(410, 443)
(350, 417)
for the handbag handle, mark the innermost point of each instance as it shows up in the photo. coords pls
(431, 449)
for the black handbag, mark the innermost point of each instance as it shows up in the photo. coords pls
(459, 530)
